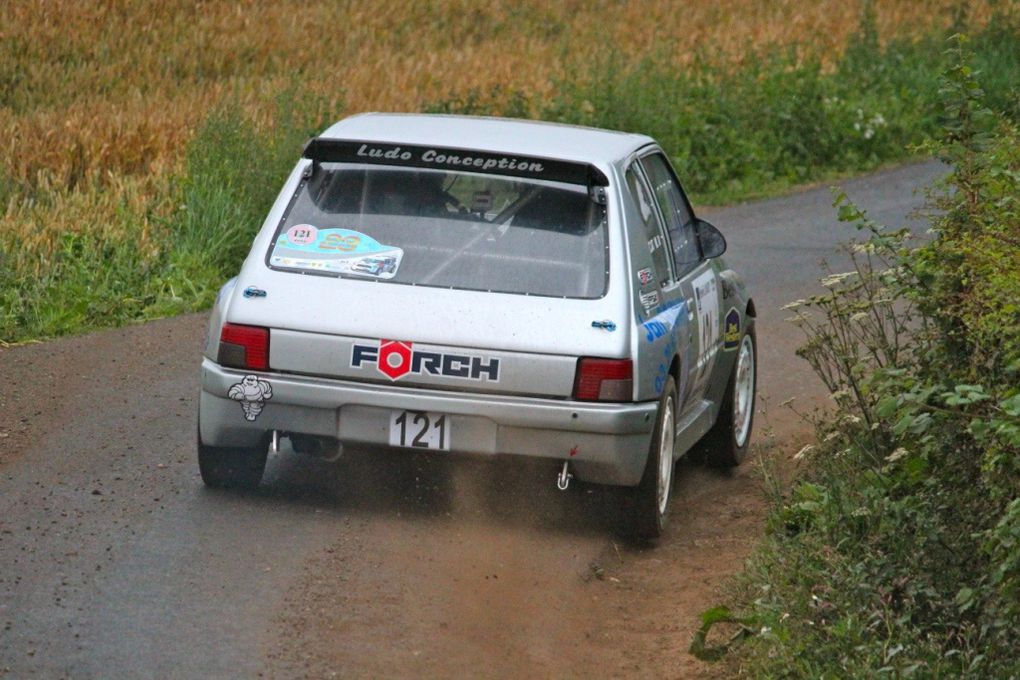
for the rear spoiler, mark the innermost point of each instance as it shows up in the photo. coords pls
(322, 150)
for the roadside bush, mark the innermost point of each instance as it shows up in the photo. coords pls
(898, 553)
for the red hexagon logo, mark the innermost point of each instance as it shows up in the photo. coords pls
(394, 358)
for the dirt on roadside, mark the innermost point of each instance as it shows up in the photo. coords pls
(510, 581)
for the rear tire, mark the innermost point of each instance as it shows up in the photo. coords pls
(225, 467)
(649, 502)
(726, 444)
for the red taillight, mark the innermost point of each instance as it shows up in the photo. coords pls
(244, 347)
(604, 380)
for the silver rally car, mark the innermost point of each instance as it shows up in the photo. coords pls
(487, 286)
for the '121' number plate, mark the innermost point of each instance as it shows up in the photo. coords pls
(420, 430)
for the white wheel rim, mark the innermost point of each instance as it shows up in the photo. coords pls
(743, 392)
(666, 455)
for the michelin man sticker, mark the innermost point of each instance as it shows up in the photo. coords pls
(342, 251)
(252, 392)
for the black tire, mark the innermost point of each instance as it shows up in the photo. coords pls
(232, 467)
(647, 513)
(721, 447)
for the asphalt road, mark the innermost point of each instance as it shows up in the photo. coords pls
(116, 562)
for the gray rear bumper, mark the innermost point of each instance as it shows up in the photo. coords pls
(609, 441)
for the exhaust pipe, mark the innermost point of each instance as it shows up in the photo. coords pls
(564, 477)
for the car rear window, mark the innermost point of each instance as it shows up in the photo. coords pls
(446, 229)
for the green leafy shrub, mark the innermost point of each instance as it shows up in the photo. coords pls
(899, 552)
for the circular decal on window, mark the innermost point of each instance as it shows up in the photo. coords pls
(302, 234)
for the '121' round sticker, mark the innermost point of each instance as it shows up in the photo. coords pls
(302, 234)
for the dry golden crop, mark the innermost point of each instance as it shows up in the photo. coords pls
(92, 88)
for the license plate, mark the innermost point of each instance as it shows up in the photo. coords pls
(420, 430)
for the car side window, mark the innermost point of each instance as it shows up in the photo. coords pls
(679, 220)
(657, 243)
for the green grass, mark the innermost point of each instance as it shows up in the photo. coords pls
(234, 173)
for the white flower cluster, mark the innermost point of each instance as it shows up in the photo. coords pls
(837, 280)
(867, 125)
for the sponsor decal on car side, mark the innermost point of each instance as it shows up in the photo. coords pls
(663, 330)
(396, 359)
(706, 297)
(731, 329)
(664, 323)
(252, 392)
(650, 299)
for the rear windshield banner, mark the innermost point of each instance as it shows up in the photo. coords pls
(442, 158)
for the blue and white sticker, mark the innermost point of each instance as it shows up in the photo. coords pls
(335, 250)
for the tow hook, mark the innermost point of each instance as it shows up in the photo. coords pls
(563, 479)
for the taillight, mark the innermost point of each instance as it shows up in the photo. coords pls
(604, 380)
(244, 347)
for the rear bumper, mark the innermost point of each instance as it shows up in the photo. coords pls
(606, 443)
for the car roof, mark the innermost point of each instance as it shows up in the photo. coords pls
(501, 135)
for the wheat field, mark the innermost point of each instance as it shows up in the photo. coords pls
(117, 87)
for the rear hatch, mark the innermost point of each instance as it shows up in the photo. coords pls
(434, 338)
